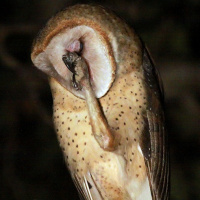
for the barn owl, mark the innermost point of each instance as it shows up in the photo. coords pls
(107, 104)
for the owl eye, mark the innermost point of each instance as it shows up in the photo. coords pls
(81, 48)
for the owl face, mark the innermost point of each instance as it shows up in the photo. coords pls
(91, 46)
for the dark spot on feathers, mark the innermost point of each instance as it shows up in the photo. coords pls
(89, 185)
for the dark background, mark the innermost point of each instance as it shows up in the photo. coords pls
(31, 163)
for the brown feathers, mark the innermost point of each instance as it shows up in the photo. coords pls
(126, 98)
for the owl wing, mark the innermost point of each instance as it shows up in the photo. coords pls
(153, 139)
(86, 187)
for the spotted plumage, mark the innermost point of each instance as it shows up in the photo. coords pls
(111, 131)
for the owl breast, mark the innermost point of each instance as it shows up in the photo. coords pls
(119, 174)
